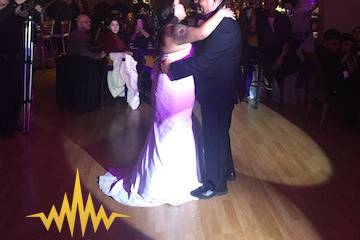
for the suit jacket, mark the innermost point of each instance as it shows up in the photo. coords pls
(215, 66)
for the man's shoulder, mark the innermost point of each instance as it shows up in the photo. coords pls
(229, 26)
(228, 22)
(76, 33)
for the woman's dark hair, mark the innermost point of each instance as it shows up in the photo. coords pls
(164, 15)
(165, 12)
(109, 21)
(145, 22)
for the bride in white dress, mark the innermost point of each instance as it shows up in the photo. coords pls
(166, 171)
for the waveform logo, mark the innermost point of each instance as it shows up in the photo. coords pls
(77, 205)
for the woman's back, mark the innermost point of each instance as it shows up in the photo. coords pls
(174, 100)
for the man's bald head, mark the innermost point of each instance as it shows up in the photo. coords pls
(83, 22)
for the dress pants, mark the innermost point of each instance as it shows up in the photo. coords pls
(217, 151)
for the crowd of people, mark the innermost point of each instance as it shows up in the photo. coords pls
(107, 28)
(339, 58)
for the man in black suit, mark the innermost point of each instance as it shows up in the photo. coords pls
(216, 71)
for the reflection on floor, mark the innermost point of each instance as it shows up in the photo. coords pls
(292, 183)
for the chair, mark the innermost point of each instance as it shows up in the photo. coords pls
(108, 67)
(148, 63)
(45, 30)
(64, 34)
(315, 87)
(145, 70)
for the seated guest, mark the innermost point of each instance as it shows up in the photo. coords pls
(348, 53)
(80, 41)
(330, 62)
(348, 90)
(140, 39)
(124, 73)
(356, 35)
(141, 35)
(110, 40)
(125, 28)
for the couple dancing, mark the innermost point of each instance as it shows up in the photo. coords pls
(166, 172)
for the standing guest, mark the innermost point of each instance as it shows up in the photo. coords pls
(11, 51)
(39, 13)
(300, 21)
(102, 11)
(141, 8)
(61, 10)
(80, 41)
(81, 7)
(274, 34)
(9, 9)
(121, 8)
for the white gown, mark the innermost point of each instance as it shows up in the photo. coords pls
(166, 171)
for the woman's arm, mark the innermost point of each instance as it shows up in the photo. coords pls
(183, 34)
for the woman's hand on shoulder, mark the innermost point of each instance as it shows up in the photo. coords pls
(227, 13)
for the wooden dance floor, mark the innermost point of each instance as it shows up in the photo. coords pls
(294, 181)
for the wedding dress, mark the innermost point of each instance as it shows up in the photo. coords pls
(166, 171)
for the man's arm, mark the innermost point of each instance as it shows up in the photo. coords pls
(214, 48)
